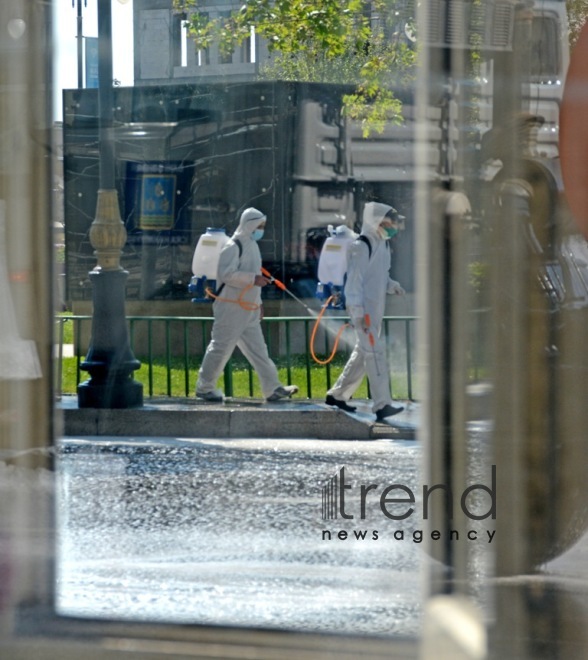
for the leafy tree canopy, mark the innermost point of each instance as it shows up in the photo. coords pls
(577, 13)
(357, 42)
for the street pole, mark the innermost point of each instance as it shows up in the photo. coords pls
(80, 42)
(110, 361)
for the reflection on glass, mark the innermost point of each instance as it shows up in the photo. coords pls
(450, 112)
(18, 357)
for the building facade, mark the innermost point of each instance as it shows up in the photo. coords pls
(164, 52)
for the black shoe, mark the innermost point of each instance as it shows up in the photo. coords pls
(343, 405)
(387, 411)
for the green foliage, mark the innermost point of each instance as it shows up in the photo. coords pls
(290, 26)
(478, 276)
(335, 41)
(577, 13)
(373, 107)
(59, 253)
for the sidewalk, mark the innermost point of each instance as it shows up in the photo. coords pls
(238, 418)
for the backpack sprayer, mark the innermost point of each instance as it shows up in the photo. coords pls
(205, 263)
(332, 266)
(204, 267)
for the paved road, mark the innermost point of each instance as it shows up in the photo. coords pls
(232, 533)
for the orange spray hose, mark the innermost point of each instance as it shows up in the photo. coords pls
(314, 331)
(283, 287)
(245, 304)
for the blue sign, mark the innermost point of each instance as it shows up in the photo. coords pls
(91, 46)
(157, 202)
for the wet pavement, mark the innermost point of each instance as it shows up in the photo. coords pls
(231, 532)
(234, 532)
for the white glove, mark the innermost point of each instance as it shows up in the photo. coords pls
(394, 288)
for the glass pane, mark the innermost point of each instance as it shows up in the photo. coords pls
(166, 459)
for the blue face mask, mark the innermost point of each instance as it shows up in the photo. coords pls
(257, 234)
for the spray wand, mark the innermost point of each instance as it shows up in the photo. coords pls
(312, 312)
(283, 287)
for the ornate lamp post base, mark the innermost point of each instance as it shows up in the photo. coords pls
(110, 361)
(127, 394)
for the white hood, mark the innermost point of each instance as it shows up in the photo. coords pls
(250, 219)
(373, 214)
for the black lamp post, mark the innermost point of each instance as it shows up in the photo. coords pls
(110, 361)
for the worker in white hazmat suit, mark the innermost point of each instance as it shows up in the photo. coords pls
(237, 314)
(367, 284)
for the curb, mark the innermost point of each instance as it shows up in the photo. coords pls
(189, 418)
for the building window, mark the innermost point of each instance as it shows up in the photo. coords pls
(248, 55)
(179, 34)
(545, 51)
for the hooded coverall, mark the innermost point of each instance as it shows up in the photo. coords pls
(234, 324)
(366, 287)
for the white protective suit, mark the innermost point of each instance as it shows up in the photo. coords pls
(366, 287)
(235, 325)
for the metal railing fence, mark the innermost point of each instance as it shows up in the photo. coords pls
(170, 349)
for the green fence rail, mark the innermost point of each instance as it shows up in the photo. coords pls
(170, 350)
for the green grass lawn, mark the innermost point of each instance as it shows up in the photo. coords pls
(66, 328)
(172, 381)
